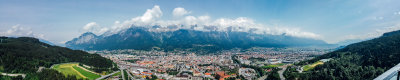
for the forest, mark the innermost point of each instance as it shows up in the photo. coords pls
(25, 55)
(364, 60)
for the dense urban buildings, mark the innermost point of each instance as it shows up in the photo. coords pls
(227, 64)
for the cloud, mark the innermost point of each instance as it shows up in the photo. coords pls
(102, 30)
(148, 18)
(204, 19)
(150, 14)
(202, 23)
(190, 20)
(238, 22)
(18, 31)
(397, 13)
(179, 11)
(90, 26)
(94, 28)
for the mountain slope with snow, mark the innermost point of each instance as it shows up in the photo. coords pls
(142, 38)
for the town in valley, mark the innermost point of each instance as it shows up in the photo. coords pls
(248, 64)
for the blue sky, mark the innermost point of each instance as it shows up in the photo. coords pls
(329, 20)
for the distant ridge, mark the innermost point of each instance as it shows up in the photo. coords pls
(141, 38)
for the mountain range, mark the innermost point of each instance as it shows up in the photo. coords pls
(142, 38)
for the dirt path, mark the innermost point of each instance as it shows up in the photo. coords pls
(78, 73)
(88, 70)
(40, 69)
(263, 77)
(8, 74)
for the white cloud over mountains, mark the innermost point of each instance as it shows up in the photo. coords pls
(95, 28)
(183, 20)
(150, 15)
(177, 12)
(18, 31)
(90, 25)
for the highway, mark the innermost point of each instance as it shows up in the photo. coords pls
(105, 76)
(263, 77)
(281, 72)
(130, 76)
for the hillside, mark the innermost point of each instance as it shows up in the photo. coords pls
(26, 55)
(363, 60)
(144, 39)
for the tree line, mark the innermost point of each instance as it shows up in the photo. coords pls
(364, 60)
(26, 55)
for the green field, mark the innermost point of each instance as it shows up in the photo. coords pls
(87, 74)
(272, 65)
(311, 66)
(119, 73)
(72, 69)
(67, 69)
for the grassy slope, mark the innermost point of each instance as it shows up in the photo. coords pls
(67, 69)
(273, 65)
(311, 66)
(89, 75)
(72, 69)
(119, 73)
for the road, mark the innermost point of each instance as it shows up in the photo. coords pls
(105, 76)
(8, 74)
(40, 69)
(87, 70)
(130, 75)
(123, 74)
(263, 77)
(281, 72)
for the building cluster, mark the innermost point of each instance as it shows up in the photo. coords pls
(175, 66)
(247, 73)
(179, 66)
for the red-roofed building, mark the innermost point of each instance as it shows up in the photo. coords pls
(222, 75)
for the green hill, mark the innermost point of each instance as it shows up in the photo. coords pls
(25, 55)
(359, 61)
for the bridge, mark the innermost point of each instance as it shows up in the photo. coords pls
(108, 75)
